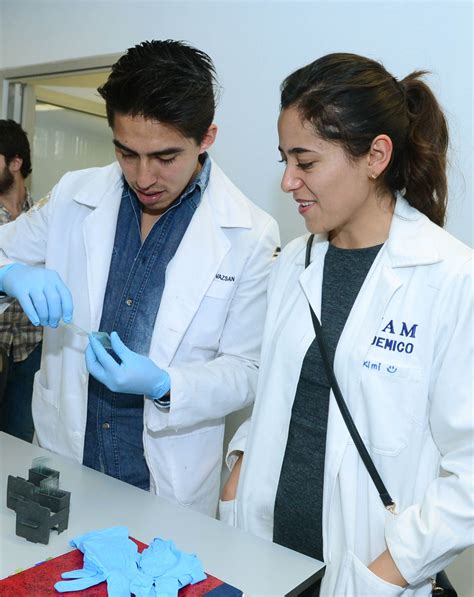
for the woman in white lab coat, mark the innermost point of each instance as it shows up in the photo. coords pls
(365, 161)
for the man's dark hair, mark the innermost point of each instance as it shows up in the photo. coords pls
(168, 81)
(14, 143)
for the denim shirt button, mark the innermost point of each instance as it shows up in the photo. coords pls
(105, 425)
(129, 302)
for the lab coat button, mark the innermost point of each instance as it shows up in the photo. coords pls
(129, 302)
(105, 425)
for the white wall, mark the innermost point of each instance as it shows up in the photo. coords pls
(255, 44)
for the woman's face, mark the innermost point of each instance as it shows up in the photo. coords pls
(334, 194)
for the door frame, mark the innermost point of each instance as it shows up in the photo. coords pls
(17, 98)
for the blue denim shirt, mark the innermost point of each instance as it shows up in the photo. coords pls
(114, 429)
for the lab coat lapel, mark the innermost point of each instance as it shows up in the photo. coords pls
(311, 279)
(361, 327)
(197, 259)
(99, 235)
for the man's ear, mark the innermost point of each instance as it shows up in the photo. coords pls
(379, 156)
(208, 139)
(15, 164)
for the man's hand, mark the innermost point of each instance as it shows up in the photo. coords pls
(42, 294)
(136, 374)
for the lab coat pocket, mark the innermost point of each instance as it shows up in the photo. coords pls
(45, 411)
(197, 459)
(206, 328)
(360, 581)
(222, 287)
(41, 394)
(397, 391)
(228, 511)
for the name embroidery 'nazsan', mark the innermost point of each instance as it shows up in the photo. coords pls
(225, 278)
(392, 343)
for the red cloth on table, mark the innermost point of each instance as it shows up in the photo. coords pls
(39, 580)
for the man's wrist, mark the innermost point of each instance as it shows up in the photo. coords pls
(161, 386)
(164, 402)
(166, 398)
(160, 393)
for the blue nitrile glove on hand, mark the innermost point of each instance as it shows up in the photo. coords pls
(164, 569)
(136, 374)
(41, 293)
(108, 555)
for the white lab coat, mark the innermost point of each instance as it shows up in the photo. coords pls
(207, 333)
(412, 402)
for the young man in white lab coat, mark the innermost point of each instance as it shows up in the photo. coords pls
(165, 252)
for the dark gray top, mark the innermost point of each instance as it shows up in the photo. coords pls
(298, 506)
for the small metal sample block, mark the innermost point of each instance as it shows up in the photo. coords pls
(39, 504)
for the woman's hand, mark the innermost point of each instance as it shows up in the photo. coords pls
(387, 570)
(230, 488)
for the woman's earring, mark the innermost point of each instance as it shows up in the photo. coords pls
(372, 175)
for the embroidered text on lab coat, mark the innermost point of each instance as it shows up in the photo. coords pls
(403, 330)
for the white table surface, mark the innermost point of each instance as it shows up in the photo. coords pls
(255, 566)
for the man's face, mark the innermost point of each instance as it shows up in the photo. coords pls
(6, 177)
(157, 161)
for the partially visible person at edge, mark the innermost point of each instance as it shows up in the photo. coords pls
(164, 253)
(365, 161)
(20, 340)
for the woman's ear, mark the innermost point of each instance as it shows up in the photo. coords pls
(379, 156)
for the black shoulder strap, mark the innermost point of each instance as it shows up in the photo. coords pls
(346, 415)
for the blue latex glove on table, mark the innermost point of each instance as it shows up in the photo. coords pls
(163, 570)
(109, 555)
(136, 374)
(41, 293)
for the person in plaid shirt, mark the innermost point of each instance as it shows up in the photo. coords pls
(20, 340)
